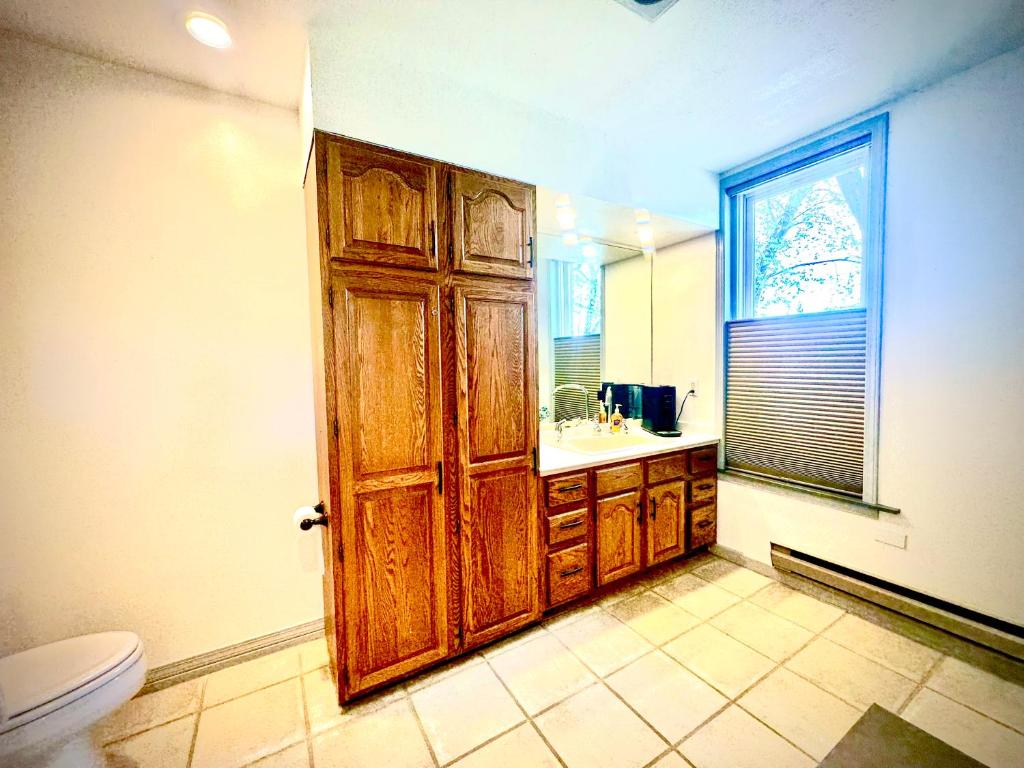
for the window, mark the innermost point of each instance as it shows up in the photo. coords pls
(803, 243)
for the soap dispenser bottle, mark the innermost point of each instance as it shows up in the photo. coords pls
(617, 418)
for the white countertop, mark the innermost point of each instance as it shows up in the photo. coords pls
(554, 460)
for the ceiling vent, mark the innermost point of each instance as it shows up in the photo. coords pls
(649, 9)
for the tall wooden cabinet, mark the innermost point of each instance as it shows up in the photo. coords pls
(424, 335)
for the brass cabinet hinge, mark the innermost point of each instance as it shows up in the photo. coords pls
(341, 553)
(330, 297)
(327, 238)
(336, 430)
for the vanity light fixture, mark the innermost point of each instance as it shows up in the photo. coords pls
(570, 238)
(564, 213)
(208, 29)
(589, 250)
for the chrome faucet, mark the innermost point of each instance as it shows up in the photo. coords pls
(575, 388)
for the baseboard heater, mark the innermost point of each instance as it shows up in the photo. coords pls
(997, 634)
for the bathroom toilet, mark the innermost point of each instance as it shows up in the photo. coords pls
(53, 695)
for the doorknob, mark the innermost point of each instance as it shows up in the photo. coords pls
(321, 519)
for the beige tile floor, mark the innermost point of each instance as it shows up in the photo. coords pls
(712, 666)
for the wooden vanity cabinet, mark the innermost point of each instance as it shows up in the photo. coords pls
(637, 514)
(425, 407)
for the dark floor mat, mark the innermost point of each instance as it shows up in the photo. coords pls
(881, 739)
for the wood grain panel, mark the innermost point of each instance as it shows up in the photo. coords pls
(568, 573)
(493, 225)
(396, 615)
(393, 540)
(666, 521)
(496, 392)
(704, 460)
(568, 526)
(625, 477)
(618, 537)
(392, 389)
(666, 468)
(566, 489)
(499, 564)
(496, 353)
(703, 526)
(382, 205)
(703, 490)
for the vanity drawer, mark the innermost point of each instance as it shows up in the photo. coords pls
(703, 526)
(666, 468)
(568, 574)
(703, 489)
(568, 526)
(704, 460)
(625, 477)
(566, 489)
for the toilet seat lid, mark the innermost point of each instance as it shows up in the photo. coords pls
(35, 677)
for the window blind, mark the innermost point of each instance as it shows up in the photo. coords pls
(794, 405)
(577, 361)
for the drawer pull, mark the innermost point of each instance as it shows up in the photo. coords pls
(573, 524)
(570, 572)
(705, 487)
(705, 523)
(573, 487)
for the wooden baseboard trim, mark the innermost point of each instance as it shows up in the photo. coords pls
(205, 663)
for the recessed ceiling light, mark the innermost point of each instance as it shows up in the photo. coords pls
(208, 30)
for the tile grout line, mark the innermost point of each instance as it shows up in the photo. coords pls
(195, 730)
(602, 681)
(423, 731)
(526, 714)
(920, 684)
(305, 717)
(977, 712)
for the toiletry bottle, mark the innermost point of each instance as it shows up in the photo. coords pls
(616, 419)
(602, 417)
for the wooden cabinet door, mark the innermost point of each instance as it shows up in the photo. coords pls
(381, 206)
(666, 521)
(493, 226)
(618, 536)
(393, 557)
(496, 394)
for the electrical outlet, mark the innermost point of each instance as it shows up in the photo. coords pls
(693, 386)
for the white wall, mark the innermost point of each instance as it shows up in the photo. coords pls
(952, 390)
(626, 322)
(366, 86)
(684, 327)
(156, 422)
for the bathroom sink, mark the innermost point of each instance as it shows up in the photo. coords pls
(604, 443)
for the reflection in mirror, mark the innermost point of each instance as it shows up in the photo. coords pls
(595, 323)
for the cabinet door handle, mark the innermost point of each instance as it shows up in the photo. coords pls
(573, 524)
(529, 247)
(571, 571)
(440, 477)
(573, 487)
(654, 508)
(433, 238)
(705, 523)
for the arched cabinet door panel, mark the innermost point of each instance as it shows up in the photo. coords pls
(492, 226)
(381, 206)
(666, 521)
(618, 537)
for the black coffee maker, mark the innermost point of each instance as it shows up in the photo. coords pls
(659, 408)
